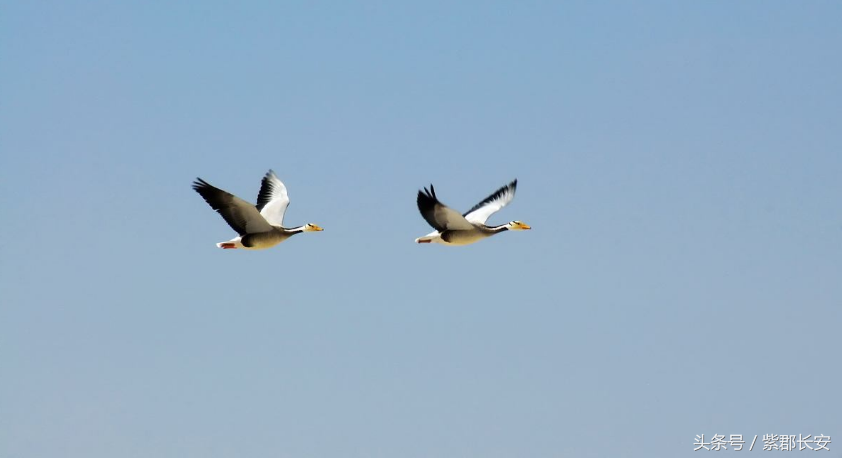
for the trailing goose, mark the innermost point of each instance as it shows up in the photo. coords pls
(451, 228)
(260, 226)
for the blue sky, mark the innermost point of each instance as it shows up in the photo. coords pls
(679, 164)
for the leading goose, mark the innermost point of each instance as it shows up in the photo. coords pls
(451, 228)
(260, 226)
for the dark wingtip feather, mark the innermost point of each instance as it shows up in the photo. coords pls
(426, 200)
(424, 197)
(267, 187)
(426, 206)
(207, 191)
(199, 184)
(494, 196)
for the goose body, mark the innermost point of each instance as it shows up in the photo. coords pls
(452, 228)
(259, 226)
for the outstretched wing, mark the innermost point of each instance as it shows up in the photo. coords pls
(491, 204)
(439, 215)
(242, 216)
(272, 200)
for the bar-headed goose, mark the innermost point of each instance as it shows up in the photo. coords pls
(451, 228)
(260, 226)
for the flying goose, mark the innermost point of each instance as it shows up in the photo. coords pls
(451, 228)
(260, 226)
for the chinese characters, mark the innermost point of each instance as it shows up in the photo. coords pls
(782, 442)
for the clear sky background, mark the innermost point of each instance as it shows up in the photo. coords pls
(680, 164)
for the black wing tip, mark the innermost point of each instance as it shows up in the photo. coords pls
(267, 179)
(511, 187)
(428, 193)
(426, 199)
(427, 202)
(267, 187)
(200, 184)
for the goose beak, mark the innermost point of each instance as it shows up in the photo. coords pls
(317, 228)
(525, 226)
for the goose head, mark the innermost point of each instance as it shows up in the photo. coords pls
(518, 226)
